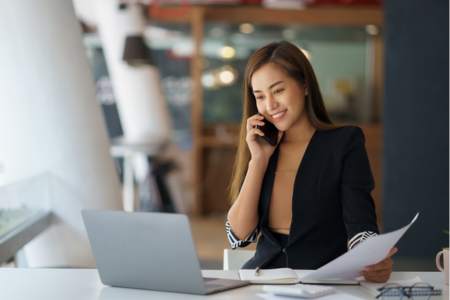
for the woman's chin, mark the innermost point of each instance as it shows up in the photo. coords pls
(282, 125)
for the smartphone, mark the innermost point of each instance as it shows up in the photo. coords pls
(270, 133)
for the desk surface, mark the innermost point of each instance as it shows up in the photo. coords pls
(68, 284)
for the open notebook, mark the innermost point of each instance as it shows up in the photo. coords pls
(286, 276)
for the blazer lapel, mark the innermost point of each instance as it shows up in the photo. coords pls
(305, 186)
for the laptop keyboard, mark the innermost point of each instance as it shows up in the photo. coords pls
(206, 279)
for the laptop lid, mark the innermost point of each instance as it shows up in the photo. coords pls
(144, 250)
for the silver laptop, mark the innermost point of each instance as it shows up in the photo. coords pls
(152, 251)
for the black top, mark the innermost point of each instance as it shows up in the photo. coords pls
(331, 202)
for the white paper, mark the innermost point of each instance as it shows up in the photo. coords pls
(350, 264)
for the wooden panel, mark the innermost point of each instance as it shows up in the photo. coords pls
(197, 107)
(327, 16)
(310, 16)
(217, 170)
(374, 146)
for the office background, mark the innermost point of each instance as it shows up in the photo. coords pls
(389, 78)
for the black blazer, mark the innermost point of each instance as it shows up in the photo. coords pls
(331, 202)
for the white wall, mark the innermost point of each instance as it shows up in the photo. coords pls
(50, 122)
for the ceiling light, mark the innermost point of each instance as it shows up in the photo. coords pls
(246, 28)
(227, 76)
(372, 29)
(227, 52)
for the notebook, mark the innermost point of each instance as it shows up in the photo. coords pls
(270, 276)
(285, 276)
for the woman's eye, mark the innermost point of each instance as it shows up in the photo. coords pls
(259, 97)
(278, 91)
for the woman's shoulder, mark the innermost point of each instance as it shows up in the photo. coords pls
(343, 134)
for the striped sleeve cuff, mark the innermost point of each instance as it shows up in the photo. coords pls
(359, 237)
(235, 242)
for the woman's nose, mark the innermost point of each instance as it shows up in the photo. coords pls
(271, 103)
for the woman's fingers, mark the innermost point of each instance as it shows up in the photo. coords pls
(255, 120)
(385, 263)
(380, 268)
(376, 274)
(392, 252)
(382, 265)
(256, 131)
(377, 277)
(381, 271)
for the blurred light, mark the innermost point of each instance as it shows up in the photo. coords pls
(227, 76)
(372, 29)
(227, 52)
(246, 28)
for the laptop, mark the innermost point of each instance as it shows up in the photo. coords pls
(152, 251)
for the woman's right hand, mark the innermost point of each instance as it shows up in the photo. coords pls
(259, 148)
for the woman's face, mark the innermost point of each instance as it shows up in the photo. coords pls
(279, 98)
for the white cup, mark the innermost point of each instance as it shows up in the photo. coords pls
(443, 268)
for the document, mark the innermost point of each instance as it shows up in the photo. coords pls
(349, 265)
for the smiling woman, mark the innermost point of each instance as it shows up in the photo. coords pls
(307, 199)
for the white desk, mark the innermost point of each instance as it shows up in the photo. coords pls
(84, 284)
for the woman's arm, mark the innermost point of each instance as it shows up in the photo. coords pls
(358, 205)
(243, 214)
(356, 186)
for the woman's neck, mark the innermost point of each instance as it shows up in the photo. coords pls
(302, 130)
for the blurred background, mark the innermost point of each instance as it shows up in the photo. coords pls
(135, 105)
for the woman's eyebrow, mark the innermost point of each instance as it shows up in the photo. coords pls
(270, 86)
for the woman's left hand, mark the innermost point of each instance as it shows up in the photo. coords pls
(380, 272)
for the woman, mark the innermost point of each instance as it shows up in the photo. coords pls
(307, 199)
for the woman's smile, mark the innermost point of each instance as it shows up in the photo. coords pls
(278, 115)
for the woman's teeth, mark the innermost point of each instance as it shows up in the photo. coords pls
(278, 115)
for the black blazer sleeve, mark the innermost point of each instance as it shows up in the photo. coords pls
(356, 185)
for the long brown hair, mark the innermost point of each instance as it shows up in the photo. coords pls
(296, 65)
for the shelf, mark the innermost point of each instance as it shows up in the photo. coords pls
(326, 16)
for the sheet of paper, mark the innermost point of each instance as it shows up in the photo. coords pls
(368, 252)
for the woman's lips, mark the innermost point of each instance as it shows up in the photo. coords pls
(278, 115)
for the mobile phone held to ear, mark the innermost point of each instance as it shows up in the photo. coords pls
(270, 133)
